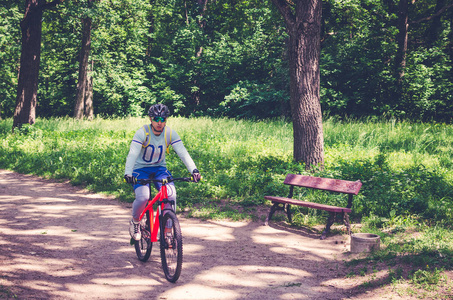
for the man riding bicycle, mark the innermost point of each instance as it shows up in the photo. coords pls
(147, 158)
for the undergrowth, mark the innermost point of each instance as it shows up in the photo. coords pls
(404, 168)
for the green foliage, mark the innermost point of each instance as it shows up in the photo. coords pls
(120, 37)
(224, 61)
(9, 53)
(427, 278)
(427, 92)
(358, 62)
(361, 34)
(61, 42)
(230, 59)
(248, 99)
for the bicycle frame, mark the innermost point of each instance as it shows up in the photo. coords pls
(161, 198)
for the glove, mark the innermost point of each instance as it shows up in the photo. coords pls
(196, 175)
(130, 179)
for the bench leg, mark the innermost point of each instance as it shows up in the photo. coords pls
(346, 222)
(279, 206)
(288, 213)
(274, 208)
(330, 221)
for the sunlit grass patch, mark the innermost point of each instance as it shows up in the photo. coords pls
(404, 167)
(414, 257)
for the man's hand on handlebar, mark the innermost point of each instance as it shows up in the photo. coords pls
(130, 179)
(196, 175)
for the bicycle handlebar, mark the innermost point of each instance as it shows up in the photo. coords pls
(165, 180)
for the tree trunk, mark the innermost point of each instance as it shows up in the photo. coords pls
(80, 100)
(450, 35)
(303, 25)
(401, 38)
(89, 110)
(27, 87)
(186, 12)
(196, 93)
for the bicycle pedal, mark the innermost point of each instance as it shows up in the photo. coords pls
(132, 242)
(146, 235)
(169, 242)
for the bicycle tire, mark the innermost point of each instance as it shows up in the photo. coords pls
(171, 248)
(144, 245)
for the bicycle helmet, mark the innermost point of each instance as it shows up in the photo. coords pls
(159, 110)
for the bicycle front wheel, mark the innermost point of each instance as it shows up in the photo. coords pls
(171, 246)
(144, 245)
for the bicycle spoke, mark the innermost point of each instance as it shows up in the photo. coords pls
(171, 248)
(143, 246)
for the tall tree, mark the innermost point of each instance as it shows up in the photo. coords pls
(83, 101)
(27, 88)
(303, 25)
(401, 38)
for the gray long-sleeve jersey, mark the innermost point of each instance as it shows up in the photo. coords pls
(153, 155)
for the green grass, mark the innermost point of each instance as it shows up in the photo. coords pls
(414, 258)
(405, 168)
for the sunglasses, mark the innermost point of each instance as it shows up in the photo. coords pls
(159, 119)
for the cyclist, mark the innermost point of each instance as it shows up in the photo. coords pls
(147, 157)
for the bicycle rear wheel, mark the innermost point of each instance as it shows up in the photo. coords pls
(144, 245)
(171, 247)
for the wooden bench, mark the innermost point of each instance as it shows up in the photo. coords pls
(327, 184)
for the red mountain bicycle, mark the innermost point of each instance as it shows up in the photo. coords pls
(153, 221)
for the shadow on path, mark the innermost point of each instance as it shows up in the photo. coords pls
(60, 242)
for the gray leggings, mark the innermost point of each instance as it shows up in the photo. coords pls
(142, 196)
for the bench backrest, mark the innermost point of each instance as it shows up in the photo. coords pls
(327, 184)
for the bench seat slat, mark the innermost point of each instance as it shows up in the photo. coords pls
(325, 207)
(328, 184)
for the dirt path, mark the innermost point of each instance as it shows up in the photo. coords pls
(60, 242)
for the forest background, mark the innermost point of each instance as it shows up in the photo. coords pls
(228, 58)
